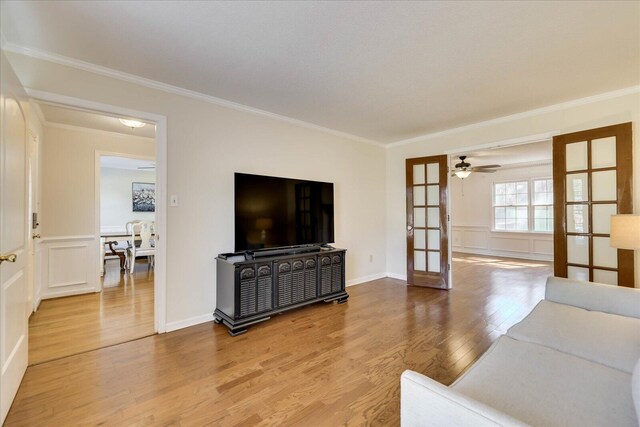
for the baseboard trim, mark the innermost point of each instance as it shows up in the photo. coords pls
(191, 321)
(365, 279)
(80, 291)
(397, 276)
(505, 254)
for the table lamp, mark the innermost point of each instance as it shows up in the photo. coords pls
(625, 231)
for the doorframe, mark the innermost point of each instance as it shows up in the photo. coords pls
(160, 275)
(504, 143)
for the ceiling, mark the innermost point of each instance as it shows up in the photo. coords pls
(537, 152)
(385, 71)
(126, 163)
(85, 119)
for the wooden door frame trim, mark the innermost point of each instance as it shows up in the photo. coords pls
(160, 121)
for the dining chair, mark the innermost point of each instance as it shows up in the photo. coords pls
(142, 232)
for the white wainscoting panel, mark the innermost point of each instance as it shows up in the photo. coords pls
(68, 266)
(481, 240)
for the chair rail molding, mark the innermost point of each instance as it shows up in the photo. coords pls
(482, 240)
(68, 266)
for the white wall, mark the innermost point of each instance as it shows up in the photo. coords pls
(68, 169)
(115, 197)
(207, 143)
(563, 119)
(471, 217)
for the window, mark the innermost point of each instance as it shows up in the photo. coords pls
(515, 210)
(511, 206)
(543, 205)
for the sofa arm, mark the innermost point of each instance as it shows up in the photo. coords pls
(425, 402)
(594, 296)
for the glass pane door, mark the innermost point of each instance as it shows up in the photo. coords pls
(427, 245)
(592, 178)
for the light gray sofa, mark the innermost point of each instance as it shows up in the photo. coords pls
(573, 361)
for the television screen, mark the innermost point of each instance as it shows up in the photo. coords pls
(272, 212)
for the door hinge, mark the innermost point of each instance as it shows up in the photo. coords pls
(449, 218)
(448, 266)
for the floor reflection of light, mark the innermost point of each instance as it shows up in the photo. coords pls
(500, 263)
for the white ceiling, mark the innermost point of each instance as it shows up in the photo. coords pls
(126, 163)
(537, 152)
(85, 119)
(385, 71)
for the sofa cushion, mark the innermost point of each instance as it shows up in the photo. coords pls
(608, 339)
(542, 386)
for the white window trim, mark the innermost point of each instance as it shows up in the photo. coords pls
(530, 206)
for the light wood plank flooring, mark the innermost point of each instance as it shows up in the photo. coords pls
(123, 311)
(319, 365)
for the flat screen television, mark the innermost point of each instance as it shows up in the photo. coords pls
(273, 212)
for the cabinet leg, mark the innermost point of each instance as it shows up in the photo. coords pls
(343, 300)
(236, 332)
(217, 320)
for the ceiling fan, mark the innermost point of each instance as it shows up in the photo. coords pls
(464, 169)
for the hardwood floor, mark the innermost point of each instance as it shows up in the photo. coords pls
(123, 311)
(319, 365)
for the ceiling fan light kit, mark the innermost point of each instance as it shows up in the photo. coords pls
(464, 169)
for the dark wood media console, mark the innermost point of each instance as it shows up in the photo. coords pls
(251, 287)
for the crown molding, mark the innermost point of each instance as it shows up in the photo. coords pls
(153, 84)
(525, 114)
(98, 131)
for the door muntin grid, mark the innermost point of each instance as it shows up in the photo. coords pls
(426, 187)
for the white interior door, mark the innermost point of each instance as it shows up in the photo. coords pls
(13, 238)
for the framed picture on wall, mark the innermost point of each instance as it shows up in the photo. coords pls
(143, 196)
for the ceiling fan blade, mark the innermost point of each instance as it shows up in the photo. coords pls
(487, 166)
(474, 170)
(146, 167)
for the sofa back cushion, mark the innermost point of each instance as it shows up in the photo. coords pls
(594, 296)
(604, 338)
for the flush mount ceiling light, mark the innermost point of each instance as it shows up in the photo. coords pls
(132, 123)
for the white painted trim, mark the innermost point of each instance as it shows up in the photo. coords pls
(364, 279)
(160, 286)
(153, 84)
(97, 131)
(525, 114)
(192, 321)
(504, 254)
(397, 276)
(58, 294)
(511, 142)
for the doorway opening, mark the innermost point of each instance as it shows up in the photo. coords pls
(98, 283)
(502, 217)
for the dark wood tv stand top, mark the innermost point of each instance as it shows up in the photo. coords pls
(250, 288)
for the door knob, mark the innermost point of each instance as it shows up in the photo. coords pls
(35, 236)
(10, 258)
(409, 227)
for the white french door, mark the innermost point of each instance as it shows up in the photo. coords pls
(13, 238)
